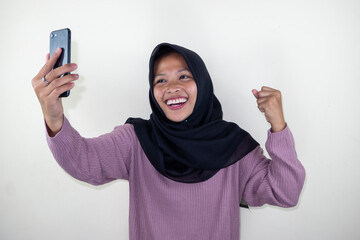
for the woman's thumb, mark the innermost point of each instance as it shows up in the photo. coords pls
(256, 93)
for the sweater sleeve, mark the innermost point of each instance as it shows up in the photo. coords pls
(93, 160)
(277, 181)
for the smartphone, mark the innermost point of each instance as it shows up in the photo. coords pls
(61, 38)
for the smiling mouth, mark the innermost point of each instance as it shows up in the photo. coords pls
(176, 103)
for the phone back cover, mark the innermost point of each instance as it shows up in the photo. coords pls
(61, 38)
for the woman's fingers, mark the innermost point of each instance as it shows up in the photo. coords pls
(50, 63)
(57, 72)
(51, 87)
(269, 102)
(59, 82)
(264, 88)
(263, 96)
(265, 91)
(53, 80)
(49, 74)
(59, 90)
(255, 92)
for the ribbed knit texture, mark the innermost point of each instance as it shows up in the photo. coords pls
(164, 209)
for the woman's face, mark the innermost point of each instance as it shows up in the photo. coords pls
(174, 87)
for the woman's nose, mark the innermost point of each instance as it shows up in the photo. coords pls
(173, 87)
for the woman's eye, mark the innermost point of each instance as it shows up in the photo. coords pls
(160, 81)
(184, 77)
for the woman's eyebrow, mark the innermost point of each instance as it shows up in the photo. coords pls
(181, 70)
(160, 74)
(184, 69)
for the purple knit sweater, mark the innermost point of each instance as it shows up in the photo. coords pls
(161, 208)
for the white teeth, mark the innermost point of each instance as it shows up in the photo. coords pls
(176, 101)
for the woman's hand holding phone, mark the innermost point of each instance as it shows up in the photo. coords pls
(49, 85)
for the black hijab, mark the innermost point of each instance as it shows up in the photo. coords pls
(196, 149)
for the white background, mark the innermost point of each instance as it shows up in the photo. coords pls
(310, 50)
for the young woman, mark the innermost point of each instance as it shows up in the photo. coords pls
(188, 169)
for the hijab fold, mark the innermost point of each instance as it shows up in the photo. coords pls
(195, 149)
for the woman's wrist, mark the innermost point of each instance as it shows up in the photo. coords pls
(54, 125)
(278, 127)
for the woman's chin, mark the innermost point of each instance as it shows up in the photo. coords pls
(177, 118)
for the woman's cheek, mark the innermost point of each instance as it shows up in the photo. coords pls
(157, 95)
